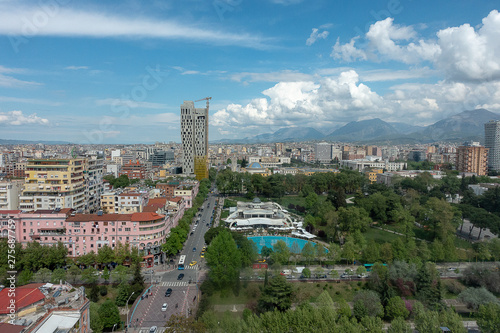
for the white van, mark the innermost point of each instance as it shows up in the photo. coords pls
(286, 272)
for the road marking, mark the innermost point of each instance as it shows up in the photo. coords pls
(174, 284)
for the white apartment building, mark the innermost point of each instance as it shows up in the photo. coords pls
(9, 194)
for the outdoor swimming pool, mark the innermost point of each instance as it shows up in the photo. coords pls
(269, 241)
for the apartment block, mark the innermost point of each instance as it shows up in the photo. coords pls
(473, 158)
(9, 194)
(134, 170)
(54, 183)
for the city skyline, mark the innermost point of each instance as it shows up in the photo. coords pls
(116, 73)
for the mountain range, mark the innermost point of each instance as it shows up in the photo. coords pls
(464, 126)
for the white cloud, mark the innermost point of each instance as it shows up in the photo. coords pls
(75, 68)
(324, 102)
(315, 35)
(29, 101)
(285, 75)
(462, 53)
(286, 2)
(18, 20)
(17, 118)
(348, 52)
(11, 82)
(129, 103)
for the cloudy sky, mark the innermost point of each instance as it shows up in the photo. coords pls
(118, 71)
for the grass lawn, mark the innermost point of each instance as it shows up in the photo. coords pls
(224, 214)
(380, 236)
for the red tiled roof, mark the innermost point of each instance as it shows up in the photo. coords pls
(150, 209)
(9, 211)
(24, 297)
(160, 201)
(129, 195)
(9, 328)
(176, 199)
(146, 216)
(97, 218)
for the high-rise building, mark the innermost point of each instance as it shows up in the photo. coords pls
(492, 142)
(472, 158)
(323, 152)
(194, 135)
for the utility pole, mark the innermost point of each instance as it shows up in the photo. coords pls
(128, 310)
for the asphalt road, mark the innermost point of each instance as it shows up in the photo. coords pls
(185, 293)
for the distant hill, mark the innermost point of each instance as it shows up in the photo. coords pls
(290, 134)
(28, 142)
(363, 130)
(464, 126)
(406, 128)
(467, 125)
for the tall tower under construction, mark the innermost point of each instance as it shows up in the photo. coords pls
(194, 135)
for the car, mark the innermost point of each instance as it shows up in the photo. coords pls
(452, 269)
(164, 307)
(180, 277)
(191, 234)
(153, 329)
(194, 249)
(208, 224)
(168, 292)
(192, 263)
(361, 276)
(202, 255)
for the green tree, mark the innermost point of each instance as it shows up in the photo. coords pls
(353, 218)
(277, 295)
(105, 255)
(396, 308)
(74, 271)
(123, 294)
(295, 251)
(399, 325)
(449, 318)
(43, 275)
(367, 303)
(475, 297)
(281, 252)
(349, 251)
(488, 317)
(95, 319)
(427, 321)
(90, 275)
(109, 315)
(224, 261)
(266, 251)
(121, 274)
(308, 251)
(59, 274)
(306, 272)
(106, 275)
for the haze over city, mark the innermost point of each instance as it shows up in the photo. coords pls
(117, 72)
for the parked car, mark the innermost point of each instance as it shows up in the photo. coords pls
(164, 307)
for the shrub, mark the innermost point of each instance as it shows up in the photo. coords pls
(103, 291)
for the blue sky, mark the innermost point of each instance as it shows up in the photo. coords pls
(118, 71)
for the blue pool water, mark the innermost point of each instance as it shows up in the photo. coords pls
(269, 241)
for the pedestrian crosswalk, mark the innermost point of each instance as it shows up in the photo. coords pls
(191, 267)
(174, 284)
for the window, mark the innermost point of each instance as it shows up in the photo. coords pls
(127, 229)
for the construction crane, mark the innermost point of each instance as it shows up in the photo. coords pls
(206, 98)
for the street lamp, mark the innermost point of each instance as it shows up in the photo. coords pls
(128, 310)
(113, 329)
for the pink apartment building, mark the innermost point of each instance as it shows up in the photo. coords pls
(83, 233)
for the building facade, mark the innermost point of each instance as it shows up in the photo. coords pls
(473, 158)
(54, 183)
(492, 142)
(194, 135)
(9, 194)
